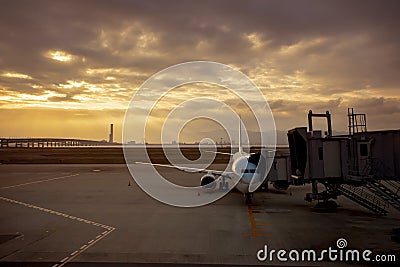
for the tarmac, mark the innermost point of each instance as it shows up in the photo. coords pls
(91, 214)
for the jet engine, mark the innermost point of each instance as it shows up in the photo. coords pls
(208, 181)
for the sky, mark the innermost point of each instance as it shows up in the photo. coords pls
(70, 68)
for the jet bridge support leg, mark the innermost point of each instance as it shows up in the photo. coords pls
(323, 198)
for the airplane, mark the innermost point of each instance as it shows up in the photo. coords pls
(244, 167)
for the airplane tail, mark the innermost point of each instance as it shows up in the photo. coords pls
(240, 135)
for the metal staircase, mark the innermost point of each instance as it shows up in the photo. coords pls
(365, 199)
(386, 189)
(384, 192)
(395, 184)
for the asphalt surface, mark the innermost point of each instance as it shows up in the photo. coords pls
(94, 215)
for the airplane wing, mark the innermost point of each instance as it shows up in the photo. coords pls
(230, 154)
(223, 153)
(217, 152)
(188, 169)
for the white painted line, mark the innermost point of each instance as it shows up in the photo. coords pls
(84, 247)
(40, 181)
(66, 258)
(73, 253)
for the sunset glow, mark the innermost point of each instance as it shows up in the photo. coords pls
(82, 63)
(59, 56)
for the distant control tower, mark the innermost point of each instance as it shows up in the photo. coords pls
(111, 136)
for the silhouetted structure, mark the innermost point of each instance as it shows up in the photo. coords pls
(363, 166)
(48, 142)
(111, 136)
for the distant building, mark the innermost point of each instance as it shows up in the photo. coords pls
(111, 136)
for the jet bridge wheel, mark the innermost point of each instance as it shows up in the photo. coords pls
(248, 198)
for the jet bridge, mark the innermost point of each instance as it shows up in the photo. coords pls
(363, 166)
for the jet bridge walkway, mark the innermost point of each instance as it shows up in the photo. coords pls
(363, 166)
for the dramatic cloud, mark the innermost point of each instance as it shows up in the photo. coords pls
(93, 55)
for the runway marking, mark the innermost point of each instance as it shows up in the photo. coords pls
(40, 181)
(255, 230)
(83, 248)
(73, 253)
(252, 221)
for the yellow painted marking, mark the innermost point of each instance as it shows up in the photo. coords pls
(252, 221)
(254, 229)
